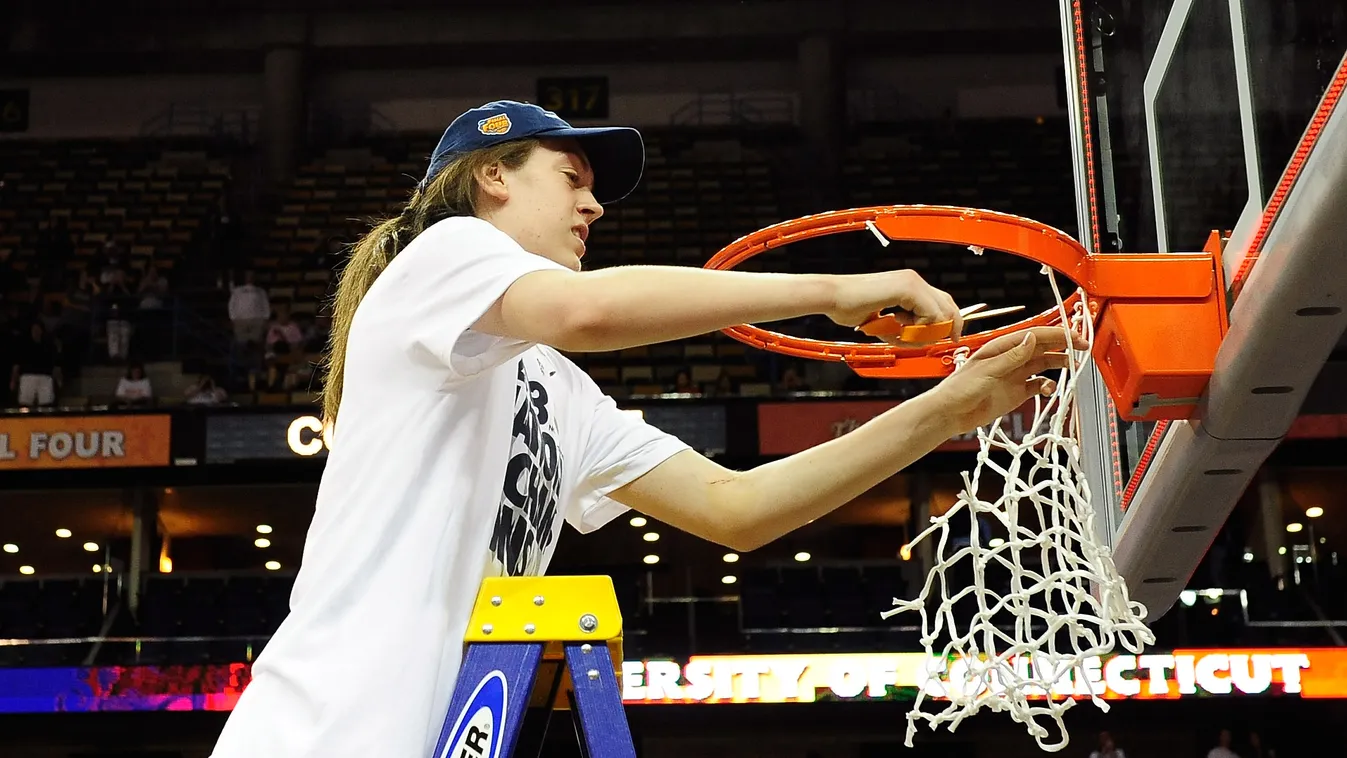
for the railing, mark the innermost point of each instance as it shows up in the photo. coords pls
(721, 108)
(180, 119)
(341, 122)
(872, 106)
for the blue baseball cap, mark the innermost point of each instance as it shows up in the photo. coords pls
(616, 153)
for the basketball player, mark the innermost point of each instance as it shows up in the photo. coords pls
(463, 437)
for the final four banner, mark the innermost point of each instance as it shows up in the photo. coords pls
(1308, 673)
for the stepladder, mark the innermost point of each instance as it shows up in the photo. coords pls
(535, 645)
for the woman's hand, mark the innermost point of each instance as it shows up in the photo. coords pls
(1004, 374)
(861, 297)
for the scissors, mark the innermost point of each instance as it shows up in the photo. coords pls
(887, 326)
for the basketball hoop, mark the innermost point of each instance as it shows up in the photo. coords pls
(1061, 603)
(1132, 298)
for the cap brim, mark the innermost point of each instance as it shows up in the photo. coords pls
(616, 154)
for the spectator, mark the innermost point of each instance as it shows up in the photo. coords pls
(273, 376)
(205, 392)
(134, 389)
(153, 289)
(36, 374)
(152, 325)
(310, 341)
(724, 383)
(52, 318)
(119, 333)
(113, 275)
(791, 381)
(1222, 749)
(284, 335)
(1106, 748)
(1256, 749)
(683, 384)
(79, 310)
(249, 309)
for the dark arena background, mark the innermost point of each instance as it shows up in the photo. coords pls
(179, 180)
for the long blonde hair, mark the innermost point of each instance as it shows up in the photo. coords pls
(453, 192)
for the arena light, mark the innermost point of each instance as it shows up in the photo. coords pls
(802, 556)
(651, 560)
(264, 529)
(27, 570)
(905, 552)
(272, 565)
(1281, 550)
(638, 521)
(995, 542)
(1314, 511)
(262, 542)
(10, 547)
(730, 558)
(1248, 556)
(1294, 527)
(91, 547)
(63, 533)
(1188, 597)
(650, 536)
(729, 579)
(98, 568)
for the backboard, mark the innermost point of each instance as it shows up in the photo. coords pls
(1190, 116)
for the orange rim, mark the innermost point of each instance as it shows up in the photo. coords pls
(983, 229)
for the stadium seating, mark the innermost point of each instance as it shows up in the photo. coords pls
(155, 199)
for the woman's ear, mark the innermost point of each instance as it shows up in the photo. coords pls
(492, 181)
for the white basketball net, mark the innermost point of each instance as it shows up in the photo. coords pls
(1025, 647)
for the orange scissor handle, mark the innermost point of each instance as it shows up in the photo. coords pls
(888, 327)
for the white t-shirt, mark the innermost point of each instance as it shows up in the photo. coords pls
(134, 389)
(456, 455)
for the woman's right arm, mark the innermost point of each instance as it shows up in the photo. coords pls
(627, 306)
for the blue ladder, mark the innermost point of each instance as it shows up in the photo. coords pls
(517, 625)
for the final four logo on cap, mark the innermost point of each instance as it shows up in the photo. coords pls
(495, 125)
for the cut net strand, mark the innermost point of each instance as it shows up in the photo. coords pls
(1025, 645)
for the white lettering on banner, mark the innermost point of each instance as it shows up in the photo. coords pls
(1156, 666)
(304, 444)
(804, 677)
(700, 684)
(5, 453)
(633, 680)
(1185, 674)
(788, 673)
(750, 679)
(1291, 664)
(1252, 673)
(723, 675)
(84, 445)
(847, 679)
(1206, 674)
(662, 680)
(1114, 679)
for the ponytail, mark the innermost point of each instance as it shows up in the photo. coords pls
(453, 192)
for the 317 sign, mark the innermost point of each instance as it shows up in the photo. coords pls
(575, 97)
